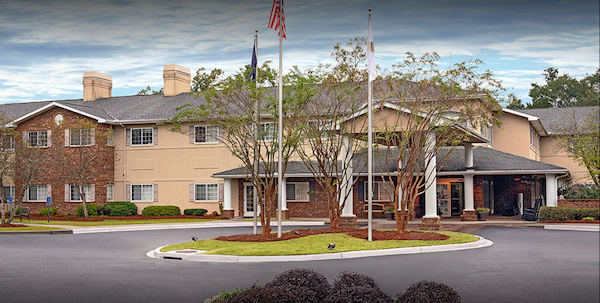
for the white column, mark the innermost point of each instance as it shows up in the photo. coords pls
(347, 190)
(468, 155)
(399, 186)
(284, 194)
(551, 194)
(469, 198)
(430, 192)
(227, 195)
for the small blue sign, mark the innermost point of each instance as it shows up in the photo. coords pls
(10, 200)
(48, 201)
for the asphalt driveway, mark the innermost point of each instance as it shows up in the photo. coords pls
(524, 265)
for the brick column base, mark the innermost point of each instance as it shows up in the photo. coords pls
(348, 222)
(228, 213)
(430, 224)
(285, 214)
(469, 215)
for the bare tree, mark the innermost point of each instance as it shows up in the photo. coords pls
(424, 112)
(7, 159)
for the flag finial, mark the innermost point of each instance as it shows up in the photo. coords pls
(369, 9)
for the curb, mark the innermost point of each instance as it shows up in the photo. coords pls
(595, 228)
(187, 225)
(193, 255)
(39, 232)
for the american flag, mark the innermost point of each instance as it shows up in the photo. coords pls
(277, 19)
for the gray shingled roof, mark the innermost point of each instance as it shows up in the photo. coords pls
(555, 118)
(484, 160)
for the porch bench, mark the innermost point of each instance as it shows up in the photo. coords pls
(24, 212)
(377, 208)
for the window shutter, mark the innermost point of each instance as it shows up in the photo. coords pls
(155, 136)
(67, 193)
(192, 134)
(49, 137)
(221, 192)
(128, 135)
(67, 139)
(92, 192)
(49, 190)
(361, 191)
(192, 192)
(93, 136)
(128, 193)
(155, 192)
(25, 137)
(311, 188)
(26, 195)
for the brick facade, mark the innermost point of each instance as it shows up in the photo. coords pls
(507, 186)
(102, 172)
(579, 203)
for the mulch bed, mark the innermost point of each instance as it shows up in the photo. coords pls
(354, 232)
(137, 217)
(571, 221)
(12, 225)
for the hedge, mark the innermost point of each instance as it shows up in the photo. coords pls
(195, 212)
(93, 210)
(119, 209)
(44, 211)
(567, 213)
(161, 210)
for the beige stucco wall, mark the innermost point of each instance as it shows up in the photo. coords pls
(551, 153)
(513, 136)
(173, 164)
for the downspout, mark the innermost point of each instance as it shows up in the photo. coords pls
(124, 161)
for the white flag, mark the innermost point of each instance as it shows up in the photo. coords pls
(371, 54)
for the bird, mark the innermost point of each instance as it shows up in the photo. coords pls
(296, 232)
(194, 239)
(331, 246)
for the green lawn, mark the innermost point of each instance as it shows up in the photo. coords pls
(316, 244)
(113, 222)
(28, 228)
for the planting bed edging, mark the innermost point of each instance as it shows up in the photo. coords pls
(190, 255)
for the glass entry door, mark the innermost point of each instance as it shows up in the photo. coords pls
(457, 199)
(443, 200)
(249, 200)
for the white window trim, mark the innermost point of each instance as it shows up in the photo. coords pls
(297, 197)
(205, 136)
(142, 136)
(37, 134)
(382, 195)
(11, 192)
(86, 188)
(10, 141)
(196, 188)
(272, 133)
(37, 186)
(142, 187)
(110, 192)
(110, 137)
(90, 132)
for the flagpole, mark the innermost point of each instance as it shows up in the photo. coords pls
(256, 142)
(370, 148)
(280, 139)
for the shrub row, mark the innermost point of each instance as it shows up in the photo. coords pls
(43, 211)
(579, 191)
(567, 213)
(195, 212)
(161, 210)
(113, 209)
(304, 285)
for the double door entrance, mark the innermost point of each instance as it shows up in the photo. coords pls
(450, 197)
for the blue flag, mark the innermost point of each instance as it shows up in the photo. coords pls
(253, 63)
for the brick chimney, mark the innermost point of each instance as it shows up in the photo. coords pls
(96, 86)
(177, 80)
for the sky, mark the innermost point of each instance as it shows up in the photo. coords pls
(46, 46)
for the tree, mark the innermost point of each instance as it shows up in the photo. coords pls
(513, 102)
(149, 91)
(203, 80)
(237, 106)
(424, 113)
(565, 91)
(580, 138)
(7, 158)
(84, 162)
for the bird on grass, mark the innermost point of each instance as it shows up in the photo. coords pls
(331, 246)
(296, 232)
(194, 239)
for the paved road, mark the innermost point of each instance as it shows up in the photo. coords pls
(524, 265)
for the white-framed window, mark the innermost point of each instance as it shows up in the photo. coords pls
(37, 193)
(297, 191)
(142, 192)
(8, 143)
(206, 192)
(267, 131)
(382, 190)
(38, 138)
(206, 134)
(75, 196)
(142, 136)
(110, 192)
(534, 138)
(110, 137)
(80, 137)
(9, 191)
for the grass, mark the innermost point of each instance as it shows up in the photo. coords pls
(114, 222)
(28, 228)
(316, 244)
